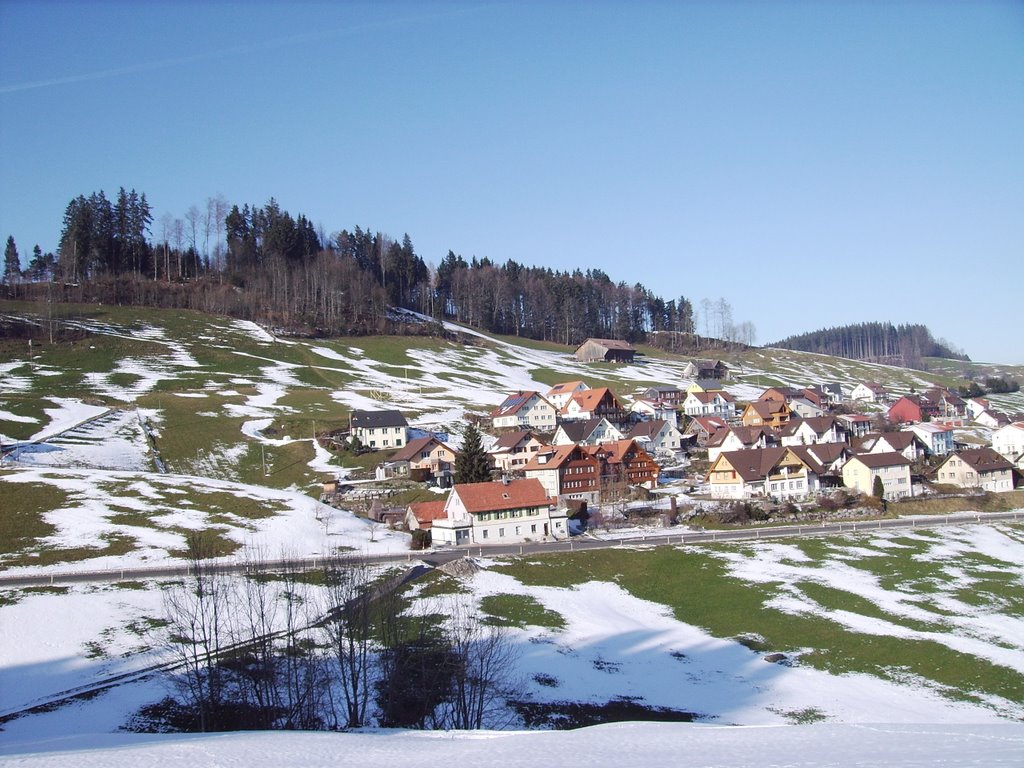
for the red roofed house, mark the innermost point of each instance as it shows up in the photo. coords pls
(594, 404)
(422, 514)
(559, 394)
(567, 472)
(498, 513)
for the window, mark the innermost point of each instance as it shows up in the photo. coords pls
(501, 532)
(485, 533)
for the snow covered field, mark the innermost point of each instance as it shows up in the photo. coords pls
(613, 644)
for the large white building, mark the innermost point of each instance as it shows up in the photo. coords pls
(499, 513)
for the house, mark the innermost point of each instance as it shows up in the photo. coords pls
(991, 419)
(827, 460)
(740, 438)
(422, 514)
(586, 432)
(937, 439)
(524, 410)
(657, 436)
(705, 385)
(856, 425)
(672, 396)
(816, 429)
(832, 392)
(605, 351)
(805, 408)
(907, 444)
(779, 472)
(720, 404)
(513, 450)
(869, 392)
(861, 470)
(498, 513)
(706, 369)
(976, 406)
(766, 413)
(624, 463)
(424, 458)
(594, 404)
(912, 408)
(948, 405)
(654, 409)
(1008, 442)
(780, 394)
(567, 472)
(559, 394)
(976, 468)
(703, 428)
(379, 429)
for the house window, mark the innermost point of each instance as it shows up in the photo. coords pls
(485, 533)
(501, 532)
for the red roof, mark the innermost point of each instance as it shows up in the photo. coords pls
(426, 512)
(489, 497)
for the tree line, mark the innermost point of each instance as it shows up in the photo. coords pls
(263, 263)
(904, 344)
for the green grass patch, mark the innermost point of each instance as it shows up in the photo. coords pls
(115, 545)
(21, 524)
(519, 611)
(213, 542)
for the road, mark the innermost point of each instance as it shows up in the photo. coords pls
(576, 544)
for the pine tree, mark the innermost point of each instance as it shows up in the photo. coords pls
(472, 464)
(878, 488)
(12, 262)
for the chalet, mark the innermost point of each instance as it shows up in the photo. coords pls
(586, 432)
(513, 450)
(765, 413)
(670, 395)
(702, 428)
(706, 369)
(778, 472)
(720, 404)
(567, 472)
(856, 425)
(559, 394)
(907, 444)
(379, 429)
(654, 409)
(740, 438)
(976, 468)
(1008, 442)
(498, 513)
(861, 470)
(624, 462)
(780, 394)
(938, 440)
(816, 429)
(594, 404)
(605, 351)
(425, 458)
(869, 392)
(524, 410)
(657, 436)
(422, 514)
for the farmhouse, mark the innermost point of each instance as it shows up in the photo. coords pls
(706, 369)
(605, 351)
(498, 513)
(379, 429)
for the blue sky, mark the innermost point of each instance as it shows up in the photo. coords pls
(814, 164)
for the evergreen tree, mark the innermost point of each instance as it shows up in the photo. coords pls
(878, 488)
(12, 262)
(472, 464)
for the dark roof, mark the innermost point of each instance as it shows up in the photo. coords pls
(875, 460)
(413, 448)
(578, 431)
(648, 429)
(375, 419)
(513, 403)
(510, 440)
(983, 460)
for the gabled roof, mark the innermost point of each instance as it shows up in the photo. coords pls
(612, 344)
(708, 397)
(566, 387)
(710, 424)
(554, 457)
(768, 408)
(510, 440)
(413, 448)
(614, 451)
(489, 497)
(376, 419)
(898, 441)
(756, 463)
(647, 429)
(427, 512)
(878, 460)
(746, 435)
(590, 399)
(981, 460)
(817, 424)
(513, 403)
(579, 431)
(821, 456)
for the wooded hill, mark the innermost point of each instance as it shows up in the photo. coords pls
(874, 342)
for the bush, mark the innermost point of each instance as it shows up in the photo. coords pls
(421, 539)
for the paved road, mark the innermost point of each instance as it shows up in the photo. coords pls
(575, 544)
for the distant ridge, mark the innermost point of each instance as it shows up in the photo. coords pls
(903, 345)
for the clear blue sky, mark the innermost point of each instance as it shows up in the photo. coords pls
(814, 164)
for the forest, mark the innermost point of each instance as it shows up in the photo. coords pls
(875, 342)
(262, 263)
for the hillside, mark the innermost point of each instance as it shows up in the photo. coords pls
(924, 626)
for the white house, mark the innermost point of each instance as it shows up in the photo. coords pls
(379, 429)
(525, 410)
(869, 392)
(586, 432)
(657, 436)
(938, 440)
(976, 468)
(810, 431)
(654, 409)
(498, 513)
(560, 394)
(861, 470)
(1008, 442)
(717, 403)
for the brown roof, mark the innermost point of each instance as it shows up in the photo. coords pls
(552, 457)
(755, 463)
(649, 429)
(489, 497)
(613, 344)
(822, 455)
(413, 448)
(876, 460)
(983, 460)
(589, 399)
(426, 512)
(510, 440)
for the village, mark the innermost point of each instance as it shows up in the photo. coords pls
(558, 458)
